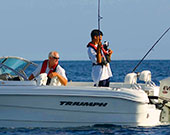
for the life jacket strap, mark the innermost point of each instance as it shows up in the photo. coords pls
(44, 67)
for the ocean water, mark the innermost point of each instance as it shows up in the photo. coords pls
(81, 71)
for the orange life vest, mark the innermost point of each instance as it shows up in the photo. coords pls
(95, 48)
(44, 67)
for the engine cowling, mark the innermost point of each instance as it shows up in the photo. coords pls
(164, 93)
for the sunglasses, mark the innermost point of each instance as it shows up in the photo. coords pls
(55, 58)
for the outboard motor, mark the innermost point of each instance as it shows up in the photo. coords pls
(164, 98)
(165, 89)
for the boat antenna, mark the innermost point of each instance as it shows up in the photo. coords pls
(150, 49)
(99, 17)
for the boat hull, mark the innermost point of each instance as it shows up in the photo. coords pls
(36, 108)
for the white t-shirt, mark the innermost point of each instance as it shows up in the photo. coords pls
(99, 73)
(59, 70)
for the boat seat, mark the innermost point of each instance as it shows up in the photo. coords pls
(131, 78)
(145, 76)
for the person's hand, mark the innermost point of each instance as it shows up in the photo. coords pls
(99, 44)
(53, 74)
(110, 52)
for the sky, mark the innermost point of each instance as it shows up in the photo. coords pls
(32, 28)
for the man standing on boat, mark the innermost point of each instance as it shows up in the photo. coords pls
(52, 70)
(100, 58)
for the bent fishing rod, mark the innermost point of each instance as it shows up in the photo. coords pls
(150, 49)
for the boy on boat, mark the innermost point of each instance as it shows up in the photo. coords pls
(100, 58)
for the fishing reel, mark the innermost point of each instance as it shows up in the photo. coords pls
(106, 45)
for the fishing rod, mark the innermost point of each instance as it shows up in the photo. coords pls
(99, 17)
(150, 49)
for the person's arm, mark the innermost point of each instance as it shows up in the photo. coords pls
(36, 72)
(99, 55)
(62, 80)
(31, 77)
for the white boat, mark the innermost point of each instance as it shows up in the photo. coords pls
(25, 104)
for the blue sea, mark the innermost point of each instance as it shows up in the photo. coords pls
(81, 71)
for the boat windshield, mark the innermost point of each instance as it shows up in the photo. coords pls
(16, 66)
(1, 60)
